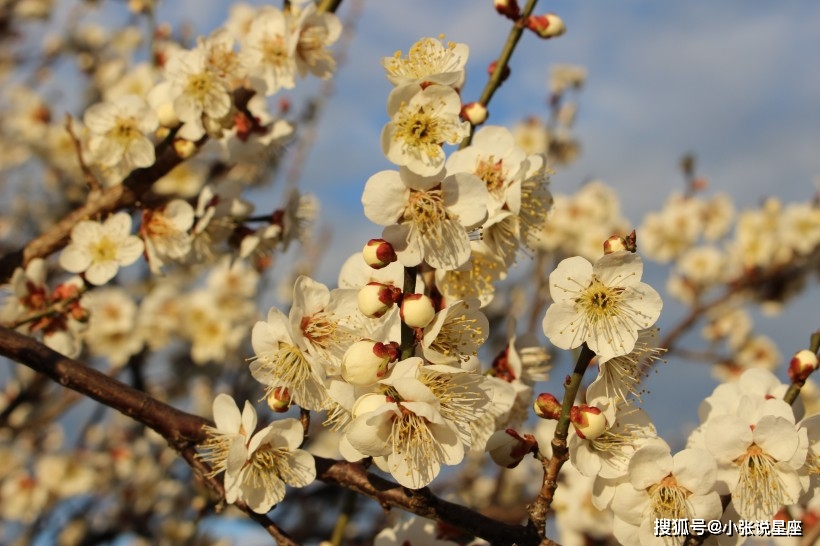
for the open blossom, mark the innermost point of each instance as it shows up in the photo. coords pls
(421, 121)
(428, 60)
(759, 451)
(664, 486)
(427, 219)
(196, 90)
(257, 465)
(165, 231)
(280, 362)
(421, 424)
(316, 32)
(99, 249)
(455, 334)
(269, 51)
(603, 305)
(119, 132)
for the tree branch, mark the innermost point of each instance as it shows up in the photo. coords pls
(184, 431)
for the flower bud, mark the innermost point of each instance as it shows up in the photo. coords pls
(417, 310)
(614, 244)
(366, 361)
(378, 253)
(803, 363)
(547, 406)
(589, 422)
(375, 299)
(474, 112)
(184, 148)
(367, 403)
(505, 72)
(546, 26)
(508, 448)
(508, 8)
(278, 399)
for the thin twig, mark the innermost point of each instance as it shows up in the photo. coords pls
(90, 179)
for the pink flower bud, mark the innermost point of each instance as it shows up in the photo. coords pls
(803, 363)
(614, 244)
(588, 421)
(417, 310)
(378, 253)
(278, 399)
(375, 299)
(508, 448)
(474, 112)
(546, 26)
(365, 362)
(508, 8)
(547, 406)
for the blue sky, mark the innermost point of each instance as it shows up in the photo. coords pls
(736, 82)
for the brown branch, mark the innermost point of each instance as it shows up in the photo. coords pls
(183, 431)
(90, 179)
(539, 509)
(99, 204)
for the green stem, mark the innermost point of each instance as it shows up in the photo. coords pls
(571, 390)
(329, 6)
(503, 61)
(348, 506)
(408, 335)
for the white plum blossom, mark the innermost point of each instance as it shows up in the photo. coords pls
(422, 423)
(166, 233)
(316, 31)
(664, 486)
(196, 90)
(269, 51)
(119, 132)
(426, 219)
(455, 334)
(280, 362)
(759, 451)
(257, 465)
(603, 305)
(99, 249)
(421, 121)
(428, 60)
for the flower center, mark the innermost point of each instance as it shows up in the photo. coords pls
(491, 172)
(199, 86)
(759, 486)
(425, 209)
(420, 130)
(600, 301)
(274, 51)
(668, 499)
(104, 250)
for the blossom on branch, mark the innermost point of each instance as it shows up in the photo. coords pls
(603, 305)
(99, 249)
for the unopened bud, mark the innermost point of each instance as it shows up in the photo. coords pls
(803, 363)
(508, 8)
(378, 253)
(375, 299)
(546, 26)
(547, 406)
(614, 244)
(184, 148)
(367, 403)
(508, 448)
(417, 310)
(366, 361)
(505, 72)
(278, 399)
(474, 112)
(589, 422)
